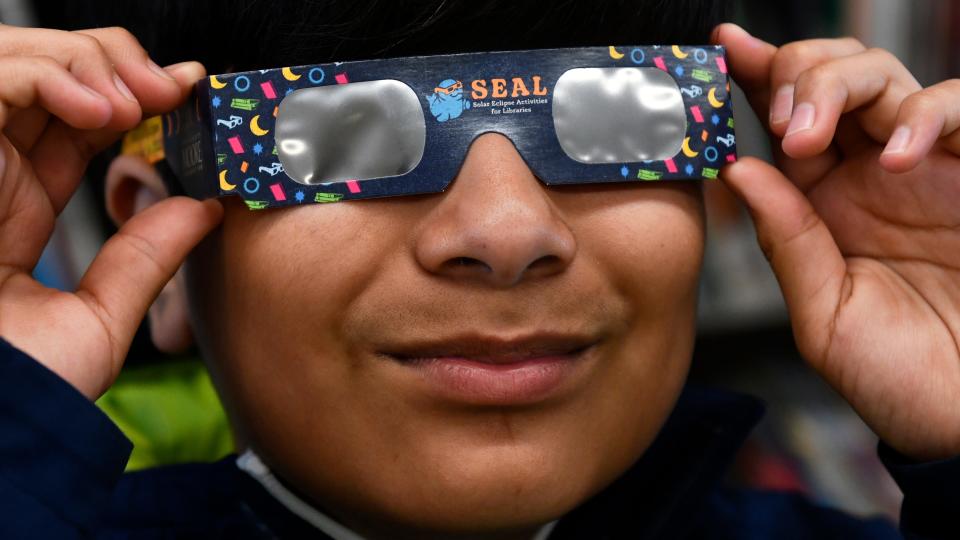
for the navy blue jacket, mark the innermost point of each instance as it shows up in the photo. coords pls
(62, 461)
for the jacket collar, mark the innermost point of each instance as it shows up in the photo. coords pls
(666, 488)
(656, 498)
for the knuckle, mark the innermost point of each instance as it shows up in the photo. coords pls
(51, 62)
(794, 52)
(772, 247)
(809, 221)
(89, 45)
(124, 38)
(951, 87)
(852, 43)
(822, 78)
(143, 248)
(921, 102)
(882, 54)
(890, 64)
(119, 32)
(44, 63)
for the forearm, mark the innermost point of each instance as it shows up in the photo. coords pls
(60, 456)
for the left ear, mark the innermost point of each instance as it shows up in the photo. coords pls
(133, 185)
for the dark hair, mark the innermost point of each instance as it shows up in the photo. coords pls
(233, 35)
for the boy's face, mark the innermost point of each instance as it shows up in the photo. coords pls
(305, 314)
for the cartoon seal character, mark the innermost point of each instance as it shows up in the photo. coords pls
(446, 102)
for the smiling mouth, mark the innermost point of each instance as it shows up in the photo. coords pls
(493, 371)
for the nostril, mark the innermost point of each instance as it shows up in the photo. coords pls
(460, 262)
(547, 261)
(541, 266)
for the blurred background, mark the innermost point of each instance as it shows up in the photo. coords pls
(810, 441)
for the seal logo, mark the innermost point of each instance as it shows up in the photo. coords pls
(446, 102)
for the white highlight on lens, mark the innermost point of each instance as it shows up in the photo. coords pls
(292, 147)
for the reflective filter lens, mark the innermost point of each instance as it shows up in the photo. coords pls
(618, 115)
(354, 131)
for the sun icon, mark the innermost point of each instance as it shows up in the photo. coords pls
(299, 196)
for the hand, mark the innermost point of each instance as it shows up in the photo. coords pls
(65, 96)
(861, 224)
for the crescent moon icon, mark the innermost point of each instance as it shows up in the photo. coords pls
(615, 54)
(290, 75)
(712, 96)
(678, 53)
(215, 83)
(255, 127)
(686, 149)
(224, 185)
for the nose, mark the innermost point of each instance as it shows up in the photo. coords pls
(496, 224)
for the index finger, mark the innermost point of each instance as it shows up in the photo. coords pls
(158, 90)
(750, 61)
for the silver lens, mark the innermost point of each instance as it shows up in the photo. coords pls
(355, 131)
(618, 115)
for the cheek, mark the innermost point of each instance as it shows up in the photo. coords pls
(649, 245)
(279, 354)
(649, 248)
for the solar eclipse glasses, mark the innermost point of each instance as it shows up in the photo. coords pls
(402, 126)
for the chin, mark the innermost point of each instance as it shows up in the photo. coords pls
(477, 482)
(492, 491)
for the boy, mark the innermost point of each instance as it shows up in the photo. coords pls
(383, 361)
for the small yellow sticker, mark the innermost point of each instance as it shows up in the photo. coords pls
(145, 140)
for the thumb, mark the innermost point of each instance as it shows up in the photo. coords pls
(801, 250)
(135, 264)
(186, 75)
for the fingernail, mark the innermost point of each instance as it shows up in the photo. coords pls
(159, 70)
(194, 69)
(122, 87)
(803, 116)
(899, 141)
(782, 107)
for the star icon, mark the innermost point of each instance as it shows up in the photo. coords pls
(689, 170)
(299, 196)
(679, 71)
(258, 149)
(624, 171)
(216, 101)
(715, 119)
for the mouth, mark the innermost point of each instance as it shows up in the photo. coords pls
(485, 370)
